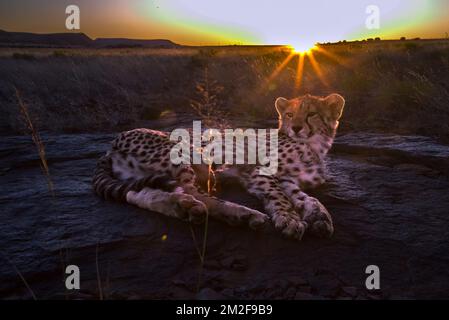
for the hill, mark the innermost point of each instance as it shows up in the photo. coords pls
(123, 42)
(28, 39)
(46, 40)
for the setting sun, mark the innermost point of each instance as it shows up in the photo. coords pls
(302, 47)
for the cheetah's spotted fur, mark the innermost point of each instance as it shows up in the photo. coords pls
(139, 165)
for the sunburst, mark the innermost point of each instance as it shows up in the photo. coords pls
(305, 53)
(302, 48)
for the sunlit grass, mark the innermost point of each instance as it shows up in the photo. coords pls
(299, 71)
(317, 69)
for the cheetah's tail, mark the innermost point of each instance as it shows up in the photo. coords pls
(107, 186)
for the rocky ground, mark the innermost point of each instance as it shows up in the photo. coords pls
(388, 196)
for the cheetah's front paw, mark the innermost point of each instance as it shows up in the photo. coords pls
(237, 214)
(172, 204)
(290, 225)
(318, 218)
(255, 218)
(195, 210)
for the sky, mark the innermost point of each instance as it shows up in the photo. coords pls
(213, 22)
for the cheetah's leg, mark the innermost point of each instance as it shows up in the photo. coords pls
(318, 219)
(277, 204)
(173, 204)
(229, 212)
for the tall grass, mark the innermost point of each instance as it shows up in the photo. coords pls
(207, 105)
(100, 90)
(35, 136)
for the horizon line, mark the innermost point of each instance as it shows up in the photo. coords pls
(370, 39)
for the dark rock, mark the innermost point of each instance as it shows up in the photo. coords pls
(326, 285)
(343, 298)
(306, 289)
(213, 278)
(297, 281)
(228, 292)
(290, 293)
(227, 262)
(213, 264)
(283, 284)
(235, 262)
(418, 169)
(387, 210)
(178, 282)
(241, 289)
(307, 296)
(372, 296)
(350, 291)
(273, 293)
(180, 293)
(209, 294)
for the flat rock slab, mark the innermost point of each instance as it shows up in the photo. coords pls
(388, 196)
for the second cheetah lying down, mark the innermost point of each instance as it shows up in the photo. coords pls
(138, 170)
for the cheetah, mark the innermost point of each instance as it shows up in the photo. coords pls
(138, 170)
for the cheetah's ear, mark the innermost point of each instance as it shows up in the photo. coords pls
(281, 104)
(335, 104)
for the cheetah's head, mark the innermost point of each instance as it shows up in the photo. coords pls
(302, 117)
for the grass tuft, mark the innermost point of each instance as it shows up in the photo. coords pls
(37, 141)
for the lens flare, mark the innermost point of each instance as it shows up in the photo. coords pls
(302, 47)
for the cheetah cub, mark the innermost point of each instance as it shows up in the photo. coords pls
(138, 171)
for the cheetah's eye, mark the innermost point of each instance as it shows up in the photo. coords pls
(311, 114)
(289, 115)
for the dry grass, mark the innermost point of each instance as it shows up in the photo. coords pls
(202, 250)
(207, 106)
(118, 89)
(37, 141)
(207, 103)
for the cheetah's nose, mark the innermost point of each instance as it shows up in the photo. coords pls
(297, 128)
